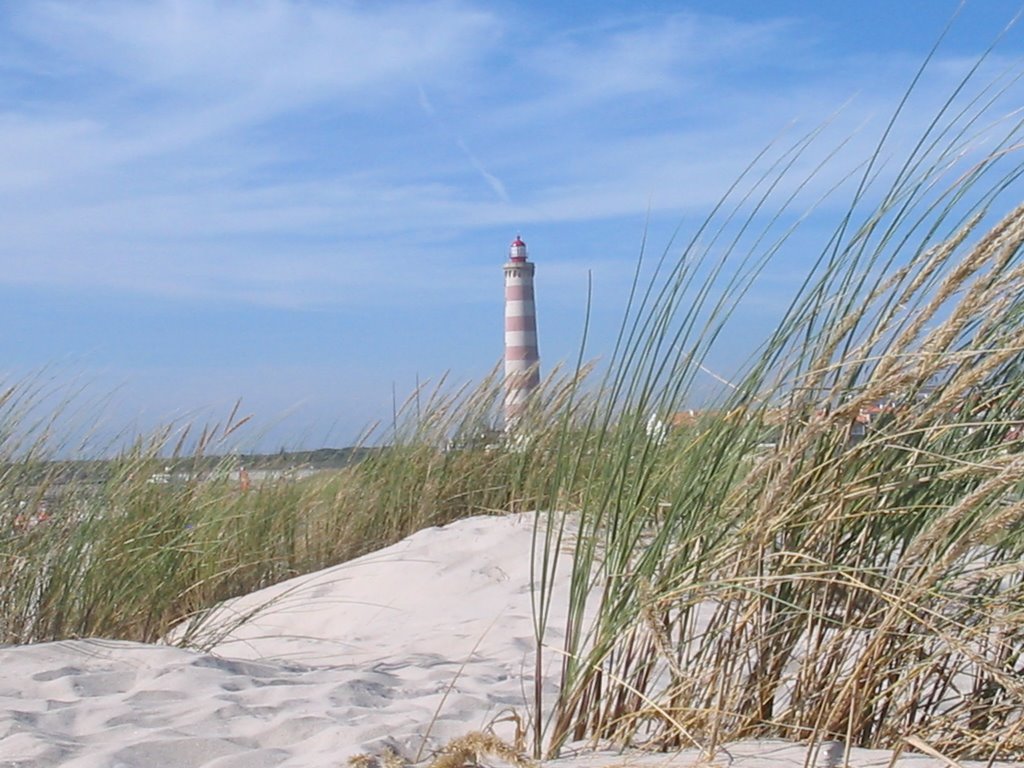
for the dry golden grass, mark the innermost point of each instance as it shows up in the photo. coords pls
(475, 749)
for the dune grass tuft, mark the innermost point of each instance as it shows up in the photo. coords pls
(124, 548)
(832, 550)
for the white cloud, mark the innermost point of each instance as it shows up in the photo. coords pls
(623, 58)
(153, 78)
(241, 149)
(294, 50)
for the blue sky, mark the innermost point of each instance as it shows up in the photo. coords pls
(302, 203)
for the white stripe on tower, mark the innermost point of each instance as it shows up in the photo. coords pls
(522, 372)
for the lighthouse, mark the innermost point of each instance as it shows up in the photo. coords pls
(522, 371)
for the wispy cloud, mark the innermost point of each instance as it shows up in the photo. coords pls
(636, 55)
(274, 48)
(189, 148)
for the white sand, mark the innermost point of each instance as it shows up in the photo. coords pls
(405, 648)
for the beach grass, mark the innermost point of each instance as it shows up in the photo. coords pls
(133, 545)
(832, 550)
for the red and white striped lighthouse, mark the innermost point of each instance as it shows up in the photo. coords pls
(522, 370)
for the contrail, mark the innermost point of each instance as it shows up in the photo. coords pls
(493, 181)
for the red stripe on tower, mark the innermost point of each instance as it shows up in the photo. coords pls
(521, 356)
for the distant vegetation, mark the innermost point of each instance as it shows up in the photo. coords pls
(758, 571)
(100, 470)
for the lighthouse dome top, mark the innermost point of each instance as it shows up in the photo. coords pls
(517, 251)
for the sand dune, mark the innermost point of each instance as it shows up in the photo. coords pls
(404, 649)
